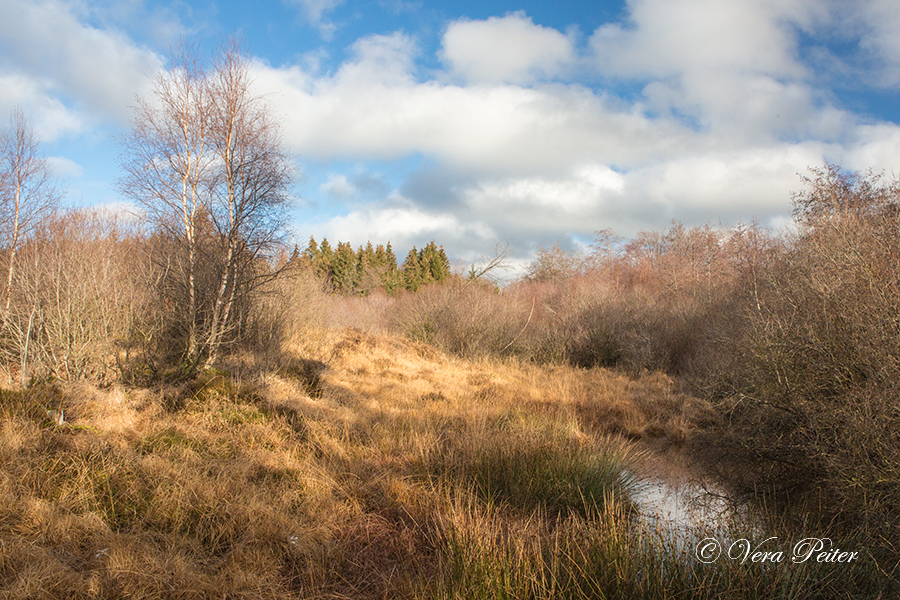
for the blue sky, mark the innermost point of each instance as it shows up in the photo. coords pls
(477, 123)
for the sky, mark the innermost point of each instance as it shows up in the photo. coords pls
(475, 124)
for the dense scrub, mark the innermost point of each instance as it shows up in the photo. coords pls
(809, 376)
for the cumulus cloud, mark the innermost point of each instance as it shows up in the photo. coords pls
(882, 22)
(405, 225)
(670, 37)
(731, 186)
(61, 166)
(510, 49)
(725, 64)
(49, 117)
(46, 45)
(563, 201)
(875, 146)
(337, 186)
(374, 108)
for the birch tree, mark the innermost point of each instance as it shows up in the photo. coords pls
(250, 195)
(27, 193)
(168, 167)
(205, 159)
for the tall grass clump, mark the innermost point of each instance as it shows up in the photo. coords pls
(512, 460)
(486, 554)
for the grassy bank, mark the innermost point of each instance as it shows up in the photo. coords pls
(363, 467)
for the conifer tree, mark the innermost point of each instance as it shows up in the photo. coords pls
(323, 261)
(412, 271)
(367, 255)
(311, 252)
(344, 268)
(391, 258)
(391, 277)
(380, 259)
(434, 263)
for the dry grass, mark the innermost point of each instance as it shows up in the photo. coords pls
(363, 467)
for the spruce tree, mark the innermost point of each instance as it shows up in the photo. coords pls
(412, 271)
(343, 269)
(324, 260)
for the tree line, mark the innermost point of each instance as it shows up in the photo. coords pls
(359, 272)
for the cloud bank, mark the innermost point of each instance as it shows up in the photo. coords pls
(697, 110)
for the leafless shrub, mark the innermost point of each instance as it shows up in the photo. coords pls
(286, 311)
(467, 320)
(80, 304)
(815, 357)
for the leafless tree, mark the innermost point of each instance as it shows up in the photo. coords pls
(553, 264)
(27, 193)
(487, 266)
(168, 166)
(250, 197)
(205, 158)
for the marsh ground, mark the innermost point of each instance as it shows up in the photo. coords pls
(359, 466)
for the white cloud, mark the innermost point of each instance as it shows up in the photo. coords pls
(882, 20)
(337, 186)
(99, 70)
(374, 108)
(404, 225)
(63, 167)
(726, 185)
(730, 185)
(670, 37)
(315, 9)
(579, 194)
(509, 49)
(314, 13)
(875, 146)
(725, 64)
(49, 117)
(380, 60)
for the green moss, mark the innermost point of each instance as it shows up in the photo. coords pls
(167, 440)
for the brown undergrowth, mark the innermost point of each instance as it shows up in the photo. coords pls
(360, 467)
